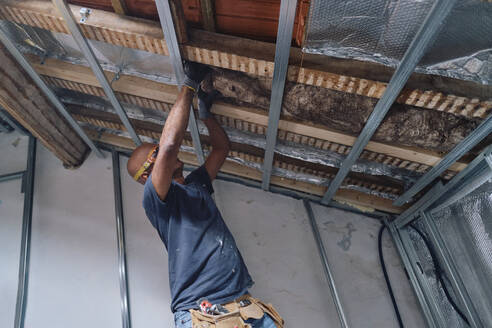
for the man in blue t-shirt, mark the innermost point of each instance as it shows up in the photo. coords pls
(207, 275)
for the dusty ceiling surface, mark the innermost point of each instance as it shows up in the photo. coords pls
(326, 102)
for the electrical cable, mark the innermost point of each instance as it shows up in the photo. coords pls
(386, 278)
(440, 273)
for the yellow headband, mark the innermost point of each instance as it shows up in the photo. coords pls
(151, 157)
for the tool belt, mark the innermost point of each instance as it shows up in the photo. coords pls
(237, 315)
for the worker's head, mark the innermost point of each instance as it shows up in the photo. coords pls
(142, 161)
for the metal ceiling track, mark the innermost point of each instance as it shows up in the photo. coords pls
(282, 52)
(167, 25)
(86, 49)
(424, 37)
(47, 91)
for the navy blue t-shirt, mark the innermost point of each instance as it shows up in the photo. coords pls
(204, 261)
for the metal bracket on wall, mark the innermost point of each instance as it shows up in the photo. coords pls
(12, 176)
(84, 14)
(424, 37)
(282, 53)
(89, 55)
(166, 19)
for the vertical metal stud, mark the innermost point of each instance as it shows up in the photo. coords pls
(451, 270)
(407, 264)
(25, 249)
(120, 237)
(282, 52)
(326, 265)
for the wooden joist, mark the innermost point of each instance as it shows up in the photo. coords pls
(351, 197)
(238, 54)
(22, 99)
(150, 94)
(119, 7)
(246, 153)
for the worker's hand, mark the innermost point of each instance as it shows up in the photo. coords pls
(205, 101)
(194, 74)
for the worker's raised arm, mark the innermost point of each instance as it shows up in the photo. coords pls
(218, 138)
(174, 130)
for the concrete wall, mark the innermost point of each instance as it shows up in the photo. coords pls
(74, 277)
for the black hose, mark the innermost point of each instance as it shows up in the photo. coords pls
(440, 273)
(386, 278)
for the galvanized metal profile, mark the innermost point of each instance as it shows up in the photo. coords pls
(482, 131)
(120, 237)
(326, 265)
(427, 32)
(422, 279)
(11, 176)
(434, 195)
(451, 270)
(483, 174)
(25, 249)
(47, 91)
(166, 19)
(282, 53)
(409, 267)
(86, 49)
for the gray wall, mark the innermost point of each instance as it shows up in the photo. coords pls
(74, 277)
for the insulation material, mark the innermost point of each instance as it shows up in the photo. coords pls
(111, 57)
(404, 125)
(286, 148)
(381, 30)
(466, 228)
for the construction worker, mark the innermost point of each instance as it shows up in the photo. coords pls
(208, 278)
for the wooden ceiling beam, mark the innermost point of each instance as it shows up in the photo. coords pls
(254, 57)
(147, 89)
(350, 197)
(119, 7)
(24, 101)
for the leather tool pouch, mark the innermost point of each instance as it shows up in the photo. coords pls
(229, 320)
(237, 315)
(270, 310)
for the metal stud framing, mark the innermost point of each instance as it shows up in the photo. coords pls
(475, 174)
(120, 237)
(25, 249)
(47, 91)
(326, 265)
(409, 259)
(477, 167)
(282, 52)
(414, 53)
(482, 131)
(86, 49)
(167, 25)
(450, 268)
